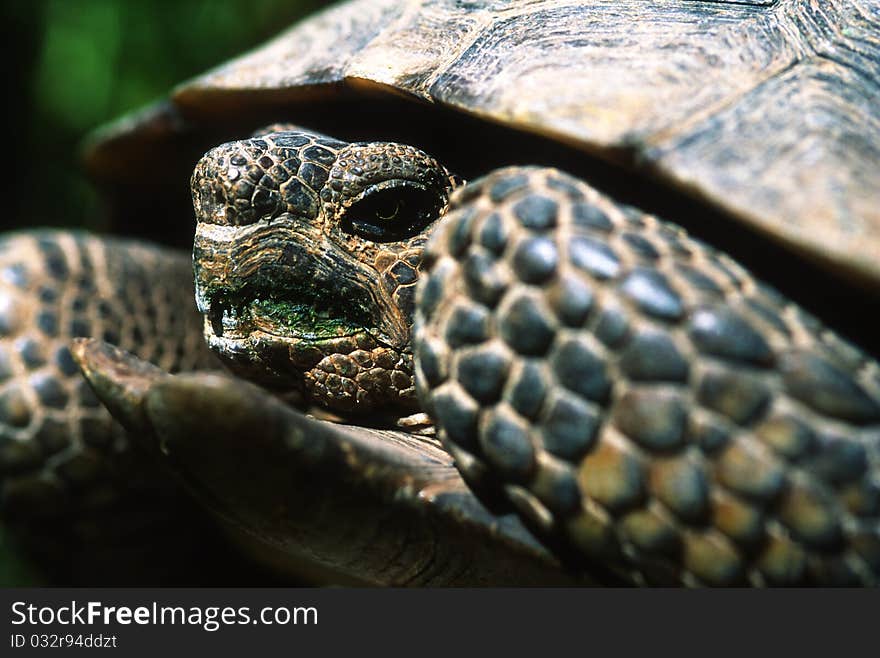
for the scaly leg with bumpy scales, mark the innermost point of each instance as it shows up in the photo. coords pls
(639, 397)
(70, 480)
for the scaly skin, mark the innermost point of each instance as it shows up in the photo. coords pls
(71, 483)
(640, 398)
(637, 396)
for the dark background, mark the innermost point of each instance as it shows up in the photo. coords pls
(72, 65)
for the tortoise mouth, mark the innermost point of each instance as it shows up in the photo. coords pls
(307, 316)
(274, 341)
(277, 299)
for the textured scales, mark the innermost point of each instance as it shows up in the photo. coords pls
(768, 109)
(66, 469)
(638, 395)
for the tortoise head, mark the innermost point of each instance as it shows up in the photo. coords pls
(306, 256)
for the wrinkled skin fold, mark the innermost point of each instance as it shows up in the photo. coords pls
(322, 502)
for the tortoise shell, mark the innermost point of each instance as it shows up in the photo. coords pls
(765, 109)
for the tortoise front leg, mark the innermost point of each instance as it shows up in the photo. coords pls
(641, 398)
(324, 502)
(71, 486)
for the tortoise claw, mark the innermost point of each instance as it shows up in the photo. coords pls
(119, 379)
(329, 501)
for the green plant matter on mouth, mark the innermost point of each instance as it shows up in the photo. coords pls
(302, 320)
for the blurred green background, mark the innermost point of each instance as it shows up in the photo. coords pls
(75, 64)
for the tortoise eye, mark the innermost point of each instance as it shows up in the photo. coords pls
(392, 214)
